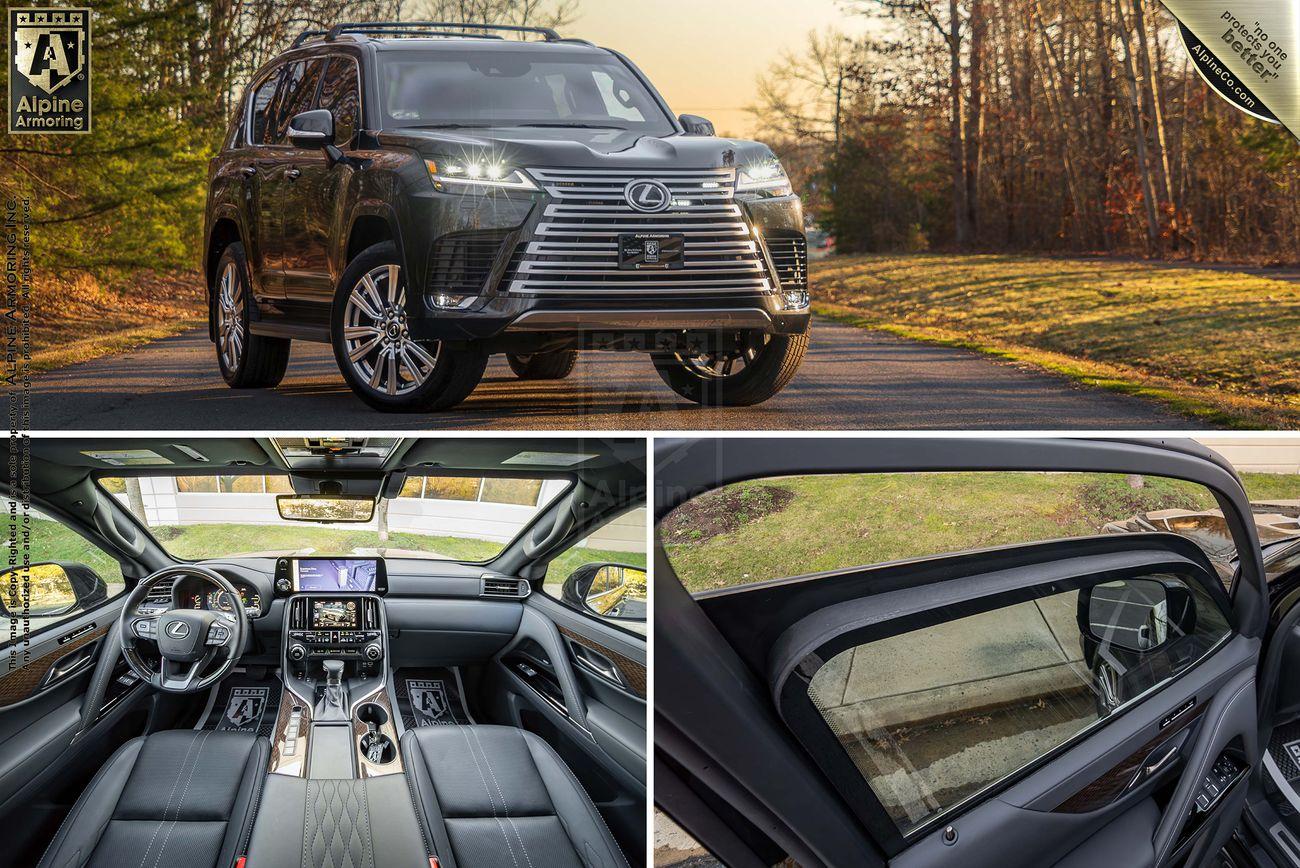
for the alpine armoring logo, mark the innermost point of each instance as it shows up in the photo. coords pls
(49, 70)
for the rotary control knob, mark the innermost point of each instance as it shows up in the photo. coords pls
(282, 585)
(297, 652)
(373, 651)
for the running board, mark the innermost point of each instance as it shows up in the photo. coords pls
(316, 334)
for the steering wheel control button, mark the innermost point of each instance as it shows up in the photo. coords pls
(218, 634)
(146, 629)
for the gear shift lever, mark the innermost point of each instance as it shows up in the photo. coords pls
(333, 683)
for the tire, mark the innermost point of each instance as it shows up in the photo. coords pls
(247, 361)
(555, 365)
(410, 376)
(768, 368)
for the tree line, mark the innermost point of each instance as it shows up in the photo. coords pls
(1035, 125)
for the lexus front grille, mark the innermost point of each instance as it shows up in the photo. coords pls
(575, 249)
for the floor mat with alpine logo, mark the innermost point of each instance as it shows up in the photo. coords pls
(429, 697)
(246, 703)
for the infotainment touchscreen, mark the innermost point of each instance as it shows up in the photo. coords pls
(334, 615)
(335, 574)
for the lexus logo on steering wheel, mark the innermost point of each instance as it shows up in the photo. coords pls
(178, 629)
(648, 196)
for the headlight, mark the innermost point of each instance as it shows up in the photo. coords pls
(466, 176)
(763, 180)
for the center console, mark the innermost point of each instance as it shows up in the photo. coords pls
(337, 720)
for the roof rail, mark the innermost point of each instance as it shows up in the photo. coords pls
(304, 36)
(428, 28)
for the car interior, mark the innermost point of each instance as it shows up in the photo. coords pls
(1150, 719)
(187, 691)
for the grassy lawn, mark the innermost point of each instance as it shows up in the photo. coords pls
(1221, 346)
(776, 528)
(79, 319)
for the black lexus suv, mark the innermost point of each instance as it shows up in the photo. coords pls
(422, 195)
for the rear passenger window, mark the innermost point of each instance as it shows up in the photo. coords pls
(339, 94)
(260, 109)
(932, 716)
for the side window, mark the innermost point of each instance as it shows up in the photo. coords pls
(339, 95)
(604, 575)
(260, 109)
(296, 92)
(932, 716)
(67, 575)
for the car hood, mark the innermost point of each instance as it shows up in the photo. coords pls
(579, 148)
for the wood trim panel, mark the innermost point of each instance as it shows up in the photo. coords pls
(21, 682)
(296, 763)
(633, 673)
(1108, 787)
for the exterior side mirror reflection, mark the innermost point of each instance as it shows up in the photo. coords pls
(1136, 615)
(608, 590)
(52, 589)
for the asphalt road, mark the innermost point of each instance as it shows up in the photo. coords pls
(851, 379)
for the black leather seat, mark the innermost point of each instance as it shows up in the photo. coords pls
(500, 796)
(176, 798)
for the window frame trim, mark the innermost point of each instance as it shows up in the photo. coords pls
(539, 585)
(815, 736)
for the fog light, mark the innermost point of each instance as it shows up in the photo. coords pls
(794, 299)
(452, 301)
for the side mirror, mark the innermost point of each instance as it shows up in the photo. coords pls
(313, 129)
(607, 590)
(696, 125)
(1137, 615)
(54, 589)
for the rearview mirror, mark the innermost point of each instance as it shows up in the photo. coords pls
(608, 590)
(1138, 615)
(53, 589)
(694, 125)
(313, 129)
(325, 508)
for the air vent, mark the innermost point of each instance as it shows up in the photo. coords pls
(298, 613)
(515, 589)
(369, 614)
(460, 262)
(790, 257)
(159, 596)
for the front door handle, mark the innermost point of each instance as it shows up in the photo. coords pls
(293, 173)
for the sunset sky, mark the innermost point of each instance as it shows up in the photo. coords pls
(704, 55)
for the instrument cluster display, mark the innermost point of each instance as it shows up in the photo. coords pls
(217, 601)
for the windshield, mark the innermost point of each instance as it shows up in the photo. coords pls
(516, 89)
(460, 518)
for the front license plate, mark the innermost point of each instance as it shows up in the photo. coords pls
(650, 250)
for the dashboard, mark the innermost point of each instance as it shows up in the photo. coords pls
(199, 594)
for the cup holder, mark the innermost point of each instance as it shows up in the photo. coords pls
(372, 715)
(378, 748)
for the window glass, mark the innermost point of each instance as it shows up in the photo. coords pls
(49, 588)
(604, 575)
(339, 94)
(516, 88)
(297, 89)
(260, 109)
(932, 716)
(440, 517)
(791, 526)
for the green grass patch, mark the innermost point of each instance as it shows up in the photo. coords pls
(838, 521)
(1219, 346)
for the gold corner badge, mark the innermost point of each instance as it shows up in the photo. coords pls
(49, 70)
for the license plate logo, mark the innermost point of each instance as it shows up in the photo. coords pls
(655, 251)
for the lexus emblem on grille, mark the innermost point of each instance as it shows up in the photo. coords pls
(647, 195)
(178, 629)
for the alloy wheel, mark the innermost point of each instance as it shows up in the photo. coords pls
(720, 364)
(377, 337)
(230, 317)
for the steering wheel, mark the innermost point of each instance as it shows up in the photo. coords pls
(187, 640)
